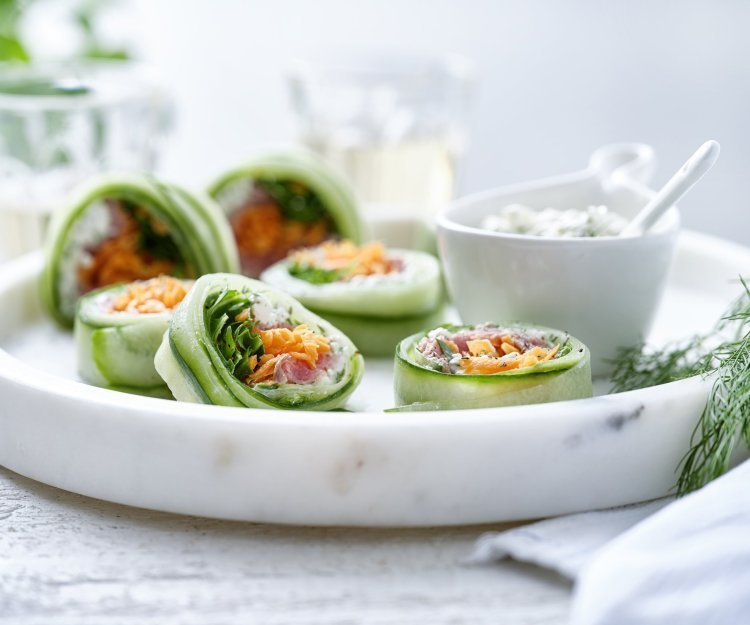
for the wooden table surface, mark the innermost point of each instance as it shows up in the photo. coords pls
(65, 558)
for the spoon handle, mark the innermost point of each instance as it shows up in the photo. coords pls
(690, 173)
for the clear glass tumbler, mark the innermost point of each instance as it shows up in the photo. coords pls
(394, 124)
(62, 123)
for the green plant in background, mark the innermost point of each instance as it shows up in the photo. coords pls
(11, 46)
(36, 142)
(85, 15)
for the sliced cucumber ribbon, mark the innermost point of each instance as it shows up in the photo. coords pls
(416, 290)
(301, 167)
(117, 349)
(196, 225)
(194, 366)
(376, 312)
(418, 386)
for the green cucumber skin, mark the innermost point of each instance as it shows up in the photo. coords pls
(420, 296)
(172, 373)
(114, 349)
(416, 385)
(121, 356)
(202, 236)
(157, 392)
(314, 173)
(377, 337)
(117, 350)
(194, 371)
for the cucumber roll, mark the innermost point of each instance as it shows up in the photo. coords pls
(122, 228)
(377, 296)
(488, 365)
(118, 330)
(283, 201)
(235, 341)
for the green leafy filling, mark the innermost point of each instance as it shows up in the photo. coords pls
(235, 340)
(315, 275)
(565, 348)
(158, 245)
(296, 201)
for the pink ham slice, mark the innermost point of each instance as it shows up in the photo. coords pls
(289, 370)
(429, 346)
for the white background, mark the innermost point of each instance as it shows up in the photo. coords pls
(558, 79)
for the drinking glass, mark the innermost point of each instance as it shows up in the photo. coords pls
(62, 123)
(394, 124)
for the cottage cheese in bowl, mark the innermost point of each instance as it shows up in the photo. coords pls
(508, 257)
(593, 221)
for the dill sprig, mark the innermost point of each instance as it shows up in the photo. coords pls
(642, 365)
(724, 354)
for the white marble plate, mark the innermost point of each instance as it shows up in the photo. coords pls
(363, 468)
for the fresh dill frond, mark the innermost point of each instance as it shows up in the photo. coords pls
(642, 366)
(724, 355)
(725, 421)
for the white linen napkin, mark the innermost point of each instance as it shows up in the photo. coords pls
(687, 562)
(563, 544)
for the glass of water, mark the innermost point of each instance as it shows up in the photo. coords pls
(62, 123)
(394, 124)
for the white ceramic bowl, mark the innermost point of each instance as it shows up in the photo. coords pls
(603, 290)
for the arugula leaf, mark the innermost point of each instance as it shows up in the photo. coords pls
(159, 245)
(235, 340)
(297, 202)
(315, 275)
(445, 348)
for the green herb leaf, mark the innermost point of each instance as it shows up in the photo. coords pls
(643, 366)
(315, 275)
(235, 340)
(445, 348)
(296, 201)
(157, 244)
(725, 422)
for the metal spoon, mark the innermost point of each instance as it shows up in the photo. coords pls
(691, 172)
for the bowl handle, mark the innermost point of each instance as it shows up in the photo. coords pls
(624, 164)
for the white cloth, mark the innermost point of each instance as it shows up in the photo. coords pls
(563, 544)
(687, 563)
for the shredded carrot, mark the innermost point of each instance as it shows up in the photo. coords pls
(257, 228)
(366, 260)
(551, 353)
(264, 236)
(481, 347)
(487, 364)
(120, 258)
(266, 369)
(152, 296)
(299, 343)
(509, 348)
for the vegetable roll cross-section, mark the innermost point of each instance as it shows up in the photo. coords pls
(131, 227)
(377, 296)
(235, 341)
(118, 330)
(488, 365)
(283, 201)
